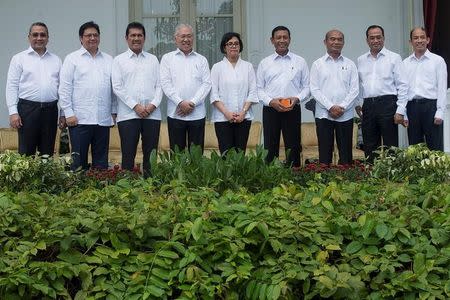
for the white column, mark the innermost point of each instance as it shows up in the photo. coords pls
(447, 124)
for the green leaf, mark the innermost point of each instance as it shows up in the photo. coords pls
(381, 229)
(419, 263)
(276, 292)
(326, 281)
(353, 247)
(168, 254)
(328, 205)
(250, 227)
(197, 228)
(155, 291)
(264, 229)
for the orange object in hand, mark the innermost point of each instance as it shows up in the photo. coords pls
(285, 102)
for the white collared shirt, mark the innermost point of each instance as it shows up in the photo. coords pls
(32, 77)
(233, 86)
(282, 76)
(427, 77)
(135, 80)
(85, 88)
(334, 82)
(383, 75)
(185, 77)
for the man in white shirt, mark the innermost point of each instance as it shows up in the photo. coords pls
(135, 81)
(282, 81)
(185, 79)
(427, 77)
(334, 85)
(32, 94)
(384, 88)
(87, 100)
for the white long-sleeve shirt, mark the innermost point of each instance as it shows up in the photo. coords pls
(32, 77)
(334, 82)
(85, 88)
(185, 77)
(427, 77)
(233, 86)
(282, 76)
(383, 75)
(135, 80)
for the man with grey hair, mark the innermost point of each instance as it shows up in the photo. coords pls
(32, 93)
(185, 79)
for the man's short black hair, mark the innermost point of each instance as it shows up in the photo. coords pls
(87, 25)
(279, 28)
(135, 25)
(373, 27)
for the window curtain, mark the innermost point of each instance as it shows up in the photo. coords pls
(429, 16)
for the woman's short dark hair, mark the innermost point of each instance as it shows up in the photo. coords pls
(228, 36)
(87, 25)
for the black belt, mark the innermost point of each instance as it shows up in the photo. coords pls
(422, 100)
(39, 104)
(381, 98)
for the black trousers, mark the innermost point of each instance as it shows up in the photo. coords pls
(421, 126)
(378, 124)
(130, 131)
(232, 135)
(95, 136)
(326, 130)
(180, 131)
(288, 123)
(39, 123)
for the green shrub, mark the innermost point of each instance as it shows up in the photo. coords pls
(141, 240)
(35, 173)
(412, 164)
(233, 171)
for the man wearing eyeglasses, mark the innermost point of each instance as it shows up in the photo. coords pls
(32, 93)
(87, 99)
(186, 81)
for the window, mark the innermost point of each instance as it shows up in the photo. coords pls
(209, 18)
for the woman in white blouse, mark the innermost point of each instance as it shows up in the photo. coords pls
(232, 95)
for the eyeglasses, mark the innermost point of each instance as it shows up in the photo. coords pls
(231, 44)
(91, 35)
(38, 34)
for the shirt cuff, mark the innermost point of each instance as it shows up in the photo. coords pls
(439, 114)
(12, 110)
(401, 110)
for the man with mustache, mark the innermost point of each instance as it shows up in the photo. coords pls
(135, 81)
(282, 82)
(32, 93)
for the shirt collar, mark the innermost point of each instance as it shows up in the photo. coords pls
(329, 57)
(179, 52)
(278, 56)
(426, 55)
(83, 51)
(31, 51)
(130, 53)
(383, 52)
